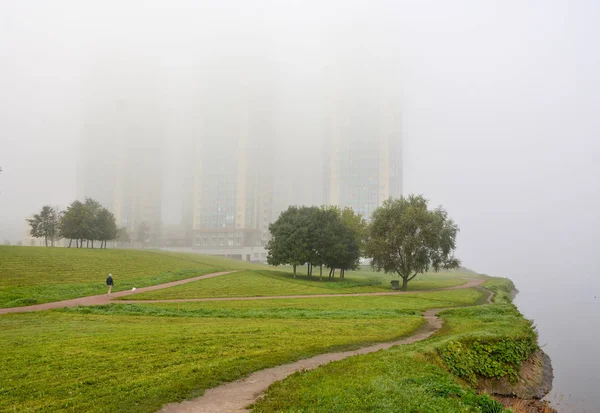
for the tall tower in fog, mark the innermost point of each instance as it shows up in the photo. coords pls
(362, 139)
(122, 145)
(233, 157)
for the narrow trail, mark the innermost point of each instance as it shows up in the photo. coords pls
(235, 396)
(104, 298)
(107, 299)
(473, 282)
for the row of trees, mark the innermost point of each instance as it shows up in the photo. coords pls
(404, 238)
(84, 222)
(326, 236)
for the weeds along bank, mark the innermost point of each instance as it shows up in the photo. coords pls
(479, 350)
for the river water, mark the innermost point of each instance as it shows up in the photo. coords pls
(567, 316)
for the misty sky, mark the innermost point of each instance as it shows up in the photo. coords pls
(500, 104)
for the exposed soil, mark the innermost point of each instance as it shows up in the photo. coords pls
(526, 406)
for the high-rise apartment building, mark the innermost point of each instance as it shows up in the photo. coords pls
(233, 155)
(121, 150)
(363, 145)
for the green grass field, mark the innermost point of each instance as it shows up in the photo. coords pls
(34, 275)
(70, 361)
(264, 283)
(411, 378)
(302, 308)
(137, 357)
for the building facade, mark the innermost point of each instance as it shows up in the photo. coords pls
(233, 147)
(363, 154)
(121, 150)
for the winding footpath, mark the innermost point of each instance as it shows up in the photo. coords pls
(233, 397)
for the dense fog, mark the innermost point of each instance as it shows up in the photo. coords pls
(495, 103)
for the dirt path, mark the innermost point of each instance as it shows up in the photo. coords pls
(473, 282)
(235, 396)
(105, 299)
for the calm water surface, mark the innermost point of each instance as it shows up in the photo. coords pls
(567, 316)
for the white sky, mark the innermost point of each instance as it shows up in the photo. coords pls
(500, 104)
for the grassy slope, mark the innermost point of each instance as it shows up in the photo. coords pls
(136, 358)
(304, 308)
(269, 283)
(406, 378)
(33, 275)
(108, 363)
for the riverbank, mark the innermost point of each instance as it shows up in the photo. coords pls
(476, 349)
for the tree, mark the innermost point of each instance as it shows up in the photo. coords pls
(75, 222)
(46, 224)
(289, 239)
(123, 235)
(339, 239)
(357, 225)
(105, 227)
(93, 229)
(316, 237)
(406, 238)
(143, 232)
(88, 221)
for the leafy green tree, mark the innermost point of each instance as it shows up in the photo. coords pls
(93, 229)
(88, 221)
(316, 237)
(357, 225)
(407, 238)
(289, 239)
(105, 227)
(46, 224)
(339, 239)
(74, 223)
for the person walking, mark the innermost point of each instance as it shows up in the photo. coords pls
(109, 283)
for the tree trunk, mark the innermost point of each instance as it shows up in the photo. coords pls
(294, 270)
(333, 274)
(330, 272)
(92, 244)
(321, 273)
(342, 274)
(46, 240)
(404, 283)
(70, 241)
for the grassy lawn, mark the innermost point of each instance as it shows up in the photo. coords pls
(268, 283)
(302, 308)
(412, 378)
(136, 358)
(33, 275)
(65, 361)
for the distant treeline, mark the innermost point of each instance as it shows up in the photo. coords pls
(83, 222)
